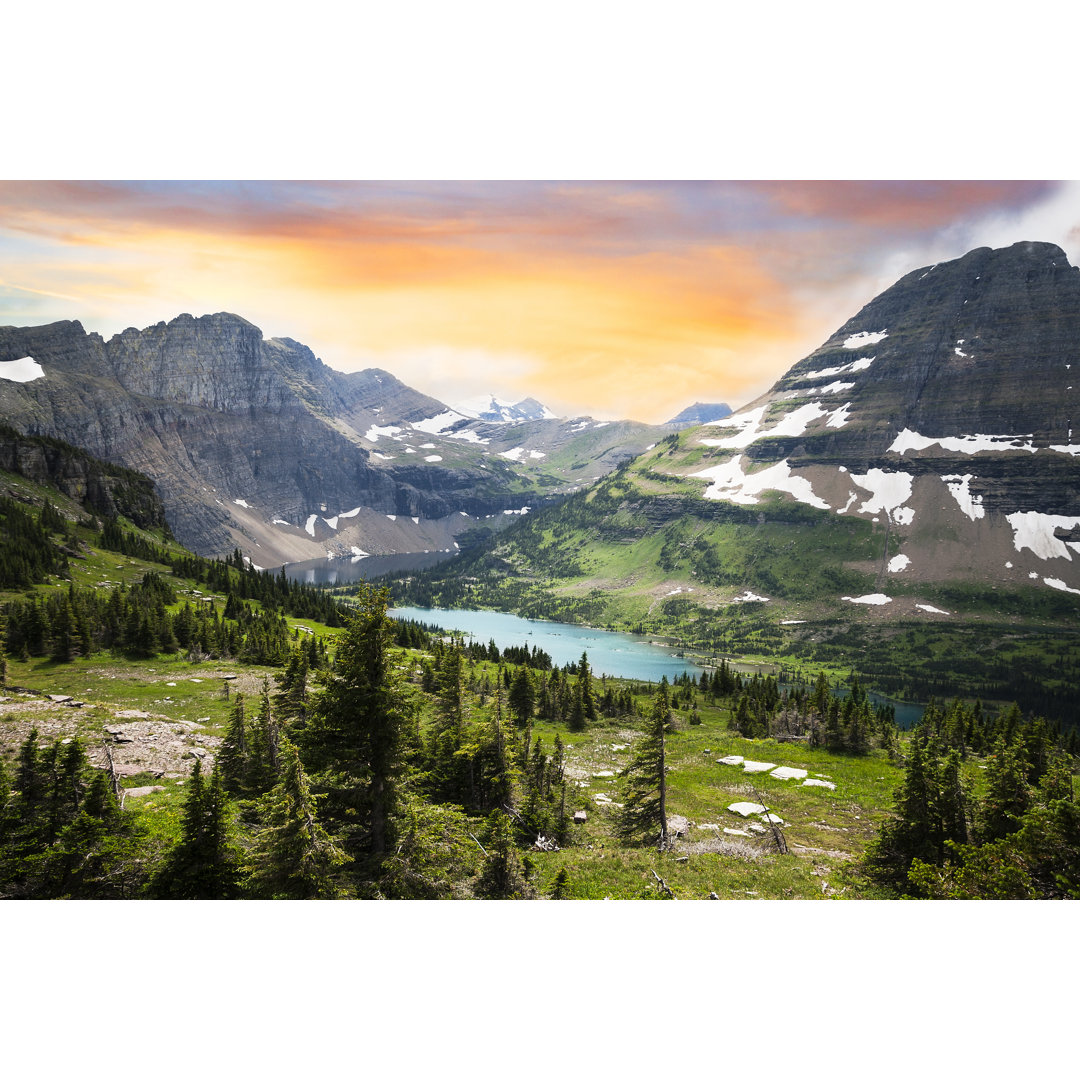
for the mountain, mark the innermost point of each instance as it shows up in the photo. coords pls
(920, 465)
(106, 490)
(497, 411)
(699, 413)
(943, 412)
(255, 443)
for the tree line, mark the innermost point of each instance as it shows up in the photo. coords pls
(1011, 834)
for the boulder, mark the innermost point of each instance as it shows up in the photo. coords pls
(785, 772)
(745, 809)
(580, 817)
(677, 825)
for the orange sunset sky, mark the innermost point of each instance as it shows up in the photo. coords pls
(612, 299)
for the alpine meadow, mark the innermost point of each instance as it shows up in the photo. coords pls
(860, 568)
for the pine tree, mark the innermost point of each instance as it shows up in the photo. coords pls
(585, 682)
(1007, 795)
(264, 745)
(502, 877)
(202, 865)
(643, 817)
(234, 756)
(522, 696)
(500, 777)
(915, 832)
(292, 856)
(562, 884)
(3, 652)
(353, 741)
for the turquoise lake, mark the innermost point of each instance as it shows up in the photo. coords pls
(623, 656)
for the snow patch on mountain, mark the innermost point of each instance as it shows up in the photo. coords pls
(832, 388)
(791, 424)
(960, 444)
(496, 411)
(730, 482)
(839, 417)
(374, 433)
(750, 598)
(970, 504)
(25, 369)
(468, 435)
(865, 337)
(889, 491)
(842, 369)
(1057, 583)
(433, 425)
(898, 563)
(875, 599)
(1035, 532)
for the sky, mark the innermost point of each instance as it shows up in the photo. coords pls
(611, 299)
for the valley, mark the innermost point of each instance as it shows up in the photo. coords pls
(900, 513)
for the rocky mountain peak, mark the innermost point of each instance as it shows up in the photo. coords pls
(947, 405)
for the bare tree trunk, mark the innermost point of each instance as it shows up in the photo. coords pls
(113, 777)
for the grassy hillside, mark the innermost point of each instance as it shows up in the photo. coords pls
(643, 551)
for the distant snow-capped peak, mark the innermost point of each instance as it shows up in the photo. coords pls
(497, 411)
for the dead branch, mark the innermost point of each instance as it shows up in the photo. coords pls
(663, 885)
(777, 835)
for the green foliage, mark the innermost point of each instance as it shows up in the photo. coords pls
(353, 742)
(434, 854)
(502, 876)
(28, 554)
(292, 857)
(61, 832)
(643, 817)
(203, 865)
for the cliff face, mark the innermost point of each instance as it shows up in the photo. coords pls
(222, 419)
(103, 488)
(943, 412)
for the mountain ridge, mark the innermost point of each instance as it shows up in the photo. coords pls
(256, 443)
(919, 464)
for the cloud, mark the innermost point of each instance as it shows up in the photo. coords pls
(609, 298)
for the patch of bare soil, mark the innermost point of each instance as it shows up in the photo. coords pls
(138, 741)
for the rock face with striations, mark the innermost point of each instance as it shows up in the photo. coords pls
(238, 431)
(945, 410)
(107, 489)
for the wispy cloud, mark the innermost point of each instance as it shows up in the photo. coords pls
(611, 298)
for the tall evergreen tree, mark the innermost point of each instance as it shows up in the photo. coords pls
(643, 817)
(234, 755)
(522, 696)
(292, 856)
(502, 877)
(1006, 796)
(203, 864)
(585, 681)
(353, 741)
